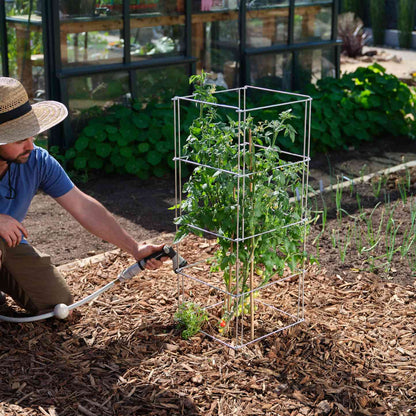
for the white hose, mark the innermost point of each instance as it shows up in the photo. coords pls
(51, 314)
(61, 310)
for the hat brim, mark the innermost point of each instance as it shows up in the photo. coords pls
(41, 117)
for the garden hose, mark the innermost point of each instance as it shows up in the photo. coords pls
(61, 311)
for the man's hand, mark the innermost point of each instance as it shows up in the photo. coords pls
(146, 250)
(11, 230)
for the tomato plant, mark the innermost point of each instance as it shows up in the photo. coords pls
(244, 192)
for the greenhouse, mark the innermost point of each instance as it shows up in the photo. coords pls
(92, 54)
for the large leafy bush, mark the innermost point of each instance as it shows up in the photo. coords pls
(360, 106)
(136, 140)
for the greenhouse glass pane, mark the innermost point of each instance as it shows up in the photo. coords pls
(313, 65)
(162, 84)
(157, 28)
(25, 46)
(312, 23)
(91, 33)
(87, 93)
(267, 31)
(309, 2)
(271, 71)
(199, 6)
(261, 4)
(215, 44)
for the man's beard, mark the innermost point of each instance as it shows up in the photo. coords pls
(22, 158)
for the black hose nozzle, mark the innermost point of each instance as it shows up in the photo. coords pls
(167, 251)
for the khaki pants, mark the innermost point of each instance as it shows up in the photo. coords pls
(30, 278)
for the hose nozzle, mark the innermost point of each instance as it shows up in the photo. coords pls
(167, 251)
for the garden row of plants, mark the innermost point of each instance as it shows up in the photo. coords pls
(138, 140)
(376, 236)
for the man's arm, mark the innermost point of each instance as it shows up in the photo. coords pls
(94, 217)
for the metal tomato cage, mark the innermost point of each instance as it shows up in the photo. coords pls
(279, 303)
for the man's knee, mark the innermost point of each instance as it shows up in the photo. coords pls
(33, 281)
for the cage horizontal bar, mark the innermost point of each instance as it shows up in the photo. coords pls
(236, 174)
(238, 295)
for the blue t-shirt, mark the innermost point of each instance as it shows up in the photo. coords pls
(41, 171)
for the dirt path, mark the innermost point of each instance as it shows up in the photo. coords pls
(401, 63)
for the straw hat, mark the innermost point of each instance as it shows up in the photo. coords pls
(18, 119)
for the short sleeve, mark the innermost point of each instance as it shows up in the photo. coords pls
(54, 180)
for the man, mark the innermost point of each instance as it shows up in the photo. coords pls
(25, 274)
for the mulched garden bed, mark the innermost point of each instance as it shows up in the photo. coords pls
(122, 355)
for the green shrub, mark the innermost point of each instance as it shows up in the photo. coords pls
(406, 21)
(190, 318)
(360, 106)
(136, 140)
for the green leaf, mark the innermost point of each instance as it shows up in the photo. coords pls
(80, 162)
(111, 130)
(133, 166)
(361, 115)
(141, 120)
(117, 160)
(122, 112)
(153, 157)
(100, 136)
(143, 147)
(167, 131)
(126, 152)
(154, 134)
(129, 132)
(70, 154)
(81, 143)
(95, 162)
(180, 235)
(123, 141)
(162, 147)
(113, 137)
(159, 171)
(91, 130)
(104, 150)
(138, 106)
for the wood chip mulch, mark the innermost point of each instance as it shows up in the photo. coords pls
(121, 355)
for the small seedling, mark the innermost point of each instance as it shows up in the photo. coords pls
(190, 318)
